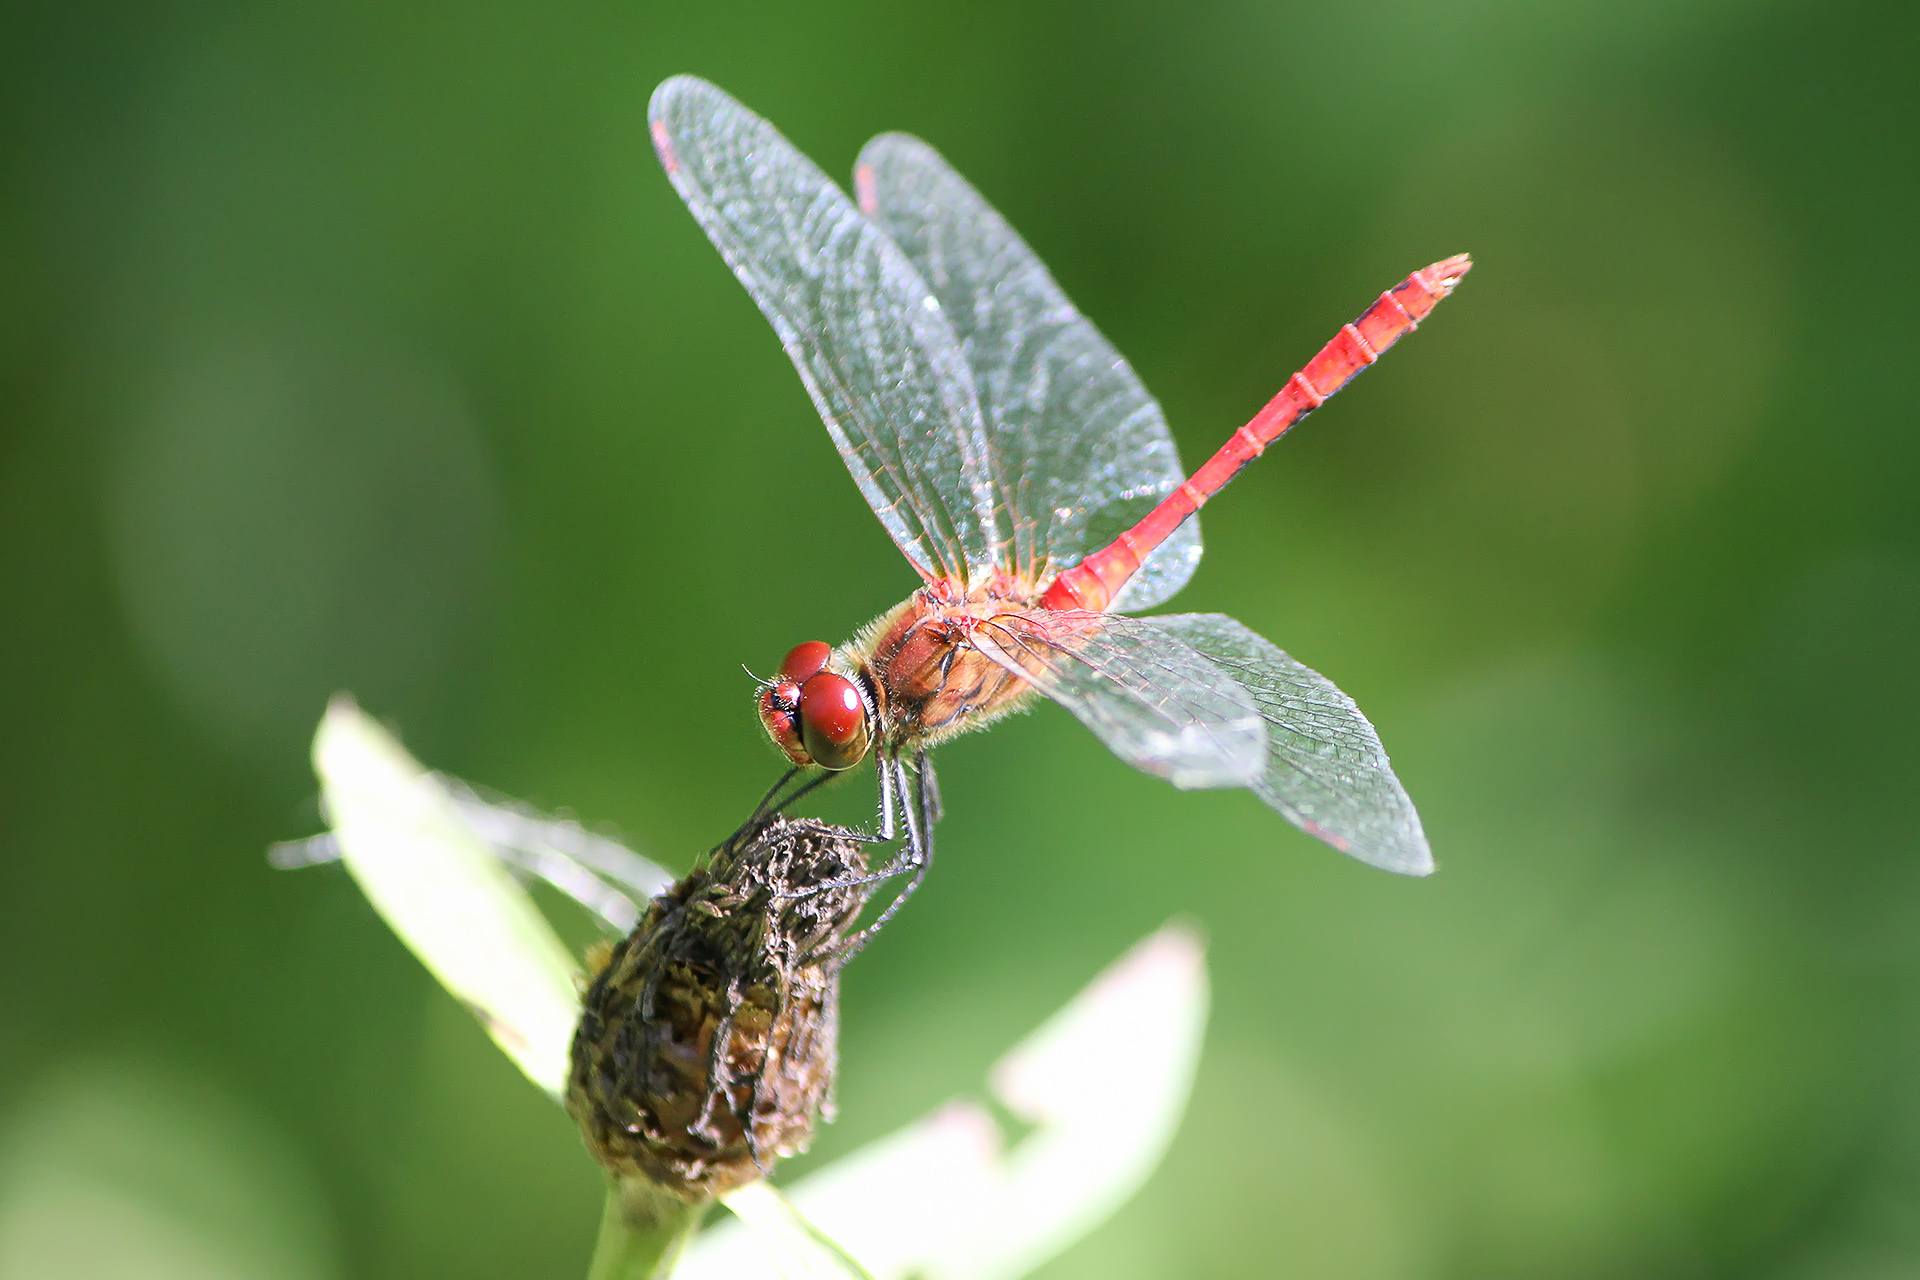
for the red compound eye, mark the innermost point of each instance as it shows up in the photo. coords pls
(805, 661)
(779, 712)
(833, 721)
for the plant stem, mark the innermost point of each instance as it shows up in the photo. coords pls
(642, 1232)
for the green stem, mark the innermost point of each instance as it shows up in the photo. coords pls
(642, 1231)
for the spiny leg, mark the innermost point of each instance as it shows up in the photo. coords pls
(764, 810)
(769, 805)
(884, 768)
(766, 807)
(921, 797)
(917, 857)
(896, 804)
(818, 780)
(930, 807)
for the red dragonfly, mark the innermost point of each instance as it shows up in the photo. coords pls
(1029, 479)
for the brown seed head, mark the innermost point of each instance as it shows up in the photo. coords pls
(708, 1038)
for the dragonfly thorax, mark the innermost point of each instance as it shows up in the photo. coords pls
(928, 680)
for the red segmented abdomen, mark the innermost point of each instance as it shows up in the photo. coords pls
(1094, 582)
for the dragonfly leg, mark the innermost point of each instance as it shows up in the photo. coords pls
(903, 803)
(921, 796)
(930, 806)
(889, 773)
(818, 780)
(885, 767)
(773, 803)
(766, 808)
(920, 806)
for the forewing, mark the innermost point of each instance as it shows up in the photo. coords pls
(1079, 451)
(867, 335)
(1155, 702)
(1325, 769)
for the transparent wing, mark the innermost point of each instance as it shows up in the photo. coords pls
(1154, 701)
(1079, 450)
(1325, 770)
(879, 359)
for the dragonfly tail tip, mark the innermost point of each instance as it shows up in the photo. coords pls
(1448, 271)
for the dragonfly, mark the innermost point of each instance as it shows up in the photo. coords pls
(1028, 477)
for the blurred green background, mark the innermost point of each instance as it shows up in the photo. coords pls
(364, 346)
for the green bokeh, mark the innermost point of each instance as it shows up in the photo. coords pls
(365, 347)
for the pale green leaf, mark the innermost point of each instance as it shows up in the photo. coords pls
(429, 856)
(437, 885)
(798, 1249)
(1104, 1082)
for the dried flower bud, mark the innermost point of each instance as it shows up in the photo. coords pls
(709, 1037)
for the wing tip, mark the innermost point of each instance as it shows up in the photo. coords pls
(663, 146)
(1413, 858)
(1413, 861)
(673, 88)
(1417, 867)
(885, 149)
(668, 94)
(1413, 864)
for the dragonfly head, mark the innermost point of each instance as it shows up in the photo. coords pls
(815, 715)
